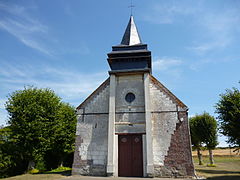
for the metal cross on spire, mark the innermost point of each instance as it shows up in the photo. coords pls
(131, 6)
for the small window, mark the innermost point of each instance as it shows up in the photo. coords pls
(130, 97)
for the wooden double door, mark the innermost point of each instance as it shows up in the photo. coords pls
(130, 156)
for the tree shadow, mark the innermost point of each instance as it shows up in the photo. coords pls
(224, 178)
(218, 171)
(63, 173)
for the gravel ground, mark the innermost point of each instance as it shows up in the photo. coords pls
(115, 178)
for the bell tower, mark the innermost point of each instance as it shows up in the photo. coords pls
(131, 55)
(129, 106)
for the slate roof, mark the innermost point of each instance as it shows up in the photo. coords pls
(131, 36)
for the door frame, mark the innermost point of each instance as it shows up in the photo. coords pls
(144, 150)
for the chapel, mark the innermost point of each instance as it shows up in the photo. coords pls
(132, 125)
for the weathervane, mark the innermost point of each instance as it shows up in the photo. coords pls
(131, 6)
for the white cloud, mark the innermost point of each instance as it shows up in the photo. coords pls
(171, 67)
(213, 28)
(3, 112)
(3, 116)
(82, 49)
(200, 63)
(73, 87)
(68, 84)
(168, 12)
(8, 70)
(219, 30)
(215, 43)
(166, 63)
(28, 30)
(2, 103)
(68, 10)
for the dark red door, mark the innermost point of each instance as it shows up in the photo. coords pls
(130, 156)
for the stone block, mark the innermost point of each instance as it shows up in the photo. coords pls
(136, 128)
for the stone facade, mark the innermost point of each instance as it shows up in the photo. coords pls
(91, 134)
(170, 132)
(130, 113)
(171, 138)
(132, 125)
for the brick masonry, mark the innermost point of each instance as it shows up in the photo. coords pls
(178, 161)
(171, 139)
(179, 155)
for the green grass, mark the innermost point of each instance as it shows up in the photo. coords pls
(36, 177)
(60, 169)
(226, 168)
(55, 174)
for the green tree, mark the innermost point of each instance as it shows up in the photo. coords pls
(40, 124)
(195, 138)
(11, 161)
(209, 133)
(205, 132)
(64, 136)
(228, 109)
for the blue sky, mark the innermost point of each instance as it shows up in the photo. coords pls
(63, 45)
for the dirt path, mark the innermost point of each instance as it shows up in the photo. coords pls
(115, 178)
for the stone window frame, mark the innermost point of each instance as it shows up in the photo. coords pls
(130, 97)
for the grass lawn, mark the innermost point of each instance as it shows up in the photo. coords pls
(36, 177)
(227, 168)
(51, 175)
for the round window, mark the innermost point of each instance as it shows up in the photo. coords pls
(130, 97)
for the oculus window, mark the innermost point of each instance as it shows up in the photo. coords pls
(130, 97)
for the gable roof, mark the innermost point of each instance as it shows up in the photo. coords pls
(99, 89)
(169, 93)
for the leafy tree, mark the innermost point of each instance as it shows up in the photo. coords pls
(195, 138)
(41, 124)
(205, 132)
(11, 161)
(228, 109)
(64, 137)
(208, 125)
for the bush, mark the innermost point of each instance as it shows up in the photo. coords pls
(61, 168)
(211, 165)
(33, 171)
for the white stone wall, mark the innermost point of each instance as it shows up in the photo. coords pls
(93, 130)
(164, 125)
(92, 127)
(160, 101)
(125, 112)
(126, 84)
(99, 102)
(164, 120)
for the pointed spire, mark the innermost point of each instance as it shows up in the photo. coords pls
(131, 36)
